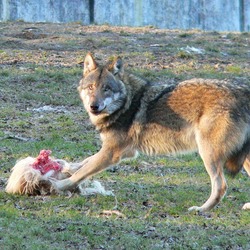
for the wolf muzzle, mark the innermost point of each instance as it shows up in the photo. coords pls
(96, 108)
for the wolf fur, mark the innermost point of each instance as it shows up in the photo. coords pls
(132, 115)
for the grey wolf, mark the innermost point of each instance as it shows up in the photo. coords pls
(132, 115)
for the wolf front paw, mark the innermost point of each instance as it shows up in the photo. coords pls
(62, 185)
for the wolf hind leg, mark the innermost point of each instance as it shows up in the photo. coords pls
(218, 188)
(235, 163)
(214, 164)
(246, 164)
(239, 159)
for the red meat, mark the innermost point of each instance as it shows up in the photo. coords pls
(44, 163)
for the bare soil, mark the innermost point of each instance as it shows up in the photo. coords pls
(145, 48)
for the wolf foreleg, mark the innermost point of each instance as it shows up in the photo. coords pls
(90, 166)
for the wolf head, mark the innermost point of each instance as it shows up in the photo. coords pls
(101, 88)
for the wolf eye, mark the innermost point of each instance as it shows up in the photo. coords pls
(90, 87)
(106, 88)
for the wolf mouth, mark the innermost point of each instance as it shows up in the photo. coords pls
(97, 112)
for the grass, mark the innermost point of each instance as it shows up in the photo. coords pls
(152, 193)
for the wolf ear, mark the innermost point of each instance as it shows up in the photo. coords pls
(116, 66)
(89, 64)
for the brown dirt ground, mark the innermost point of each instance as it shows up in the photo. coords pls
(145, 48)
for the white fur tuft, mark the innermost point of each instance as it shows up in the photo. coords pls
(95, 187)
(23, 179)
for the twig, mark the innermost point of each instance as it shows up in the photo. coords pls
(14, 137)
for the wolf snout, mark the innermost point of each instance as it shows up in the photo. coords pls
(94, 107)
